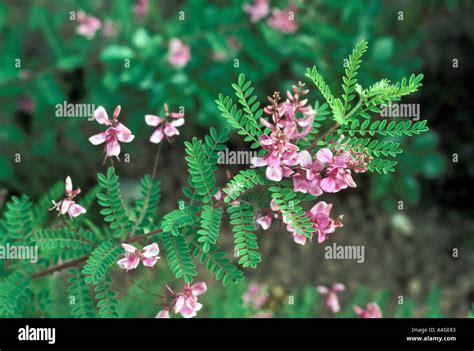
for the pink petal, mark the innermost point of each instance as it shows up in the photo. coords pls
(169, 130)
(304, 158)
(153, 120)
(164, 313)
(117, 111)
(324, 155)
(264, 221)
(338, 287)
(274, 205)
(150, 251)
(179, 304)
(328, 184)
(65, 205)
(322, 290)
(299, 239)
(258, 162)
(198, 288)
(97, 139)
(124, 134)
(129, 248)
(129, 263)
(300, 183)
(150, 262)
(177, 122)
(68, 185)
(76, 210)
(112, 147)
(320, 207)
(333, 303)
(157, 136)
(101, 116)
(274, 174)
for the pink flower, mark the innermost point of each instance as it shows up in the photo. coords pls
(68, 205)
(265, 221)
(186, 302)
(255, 296)
(166, 125)
(294, 106)
(164, 313)
(308, 178)
(372, 311)
(332, 302)
(179, 53)
(319, 215)
(258, 10)
(149, 256)
(88, 25)
(265, 217)
(338, 175)
(283, 20)
(115, 133)
(140, 8)
(281, 153)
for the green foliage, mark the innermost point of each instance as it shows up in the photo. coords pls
(201, 170)
(18, 221)
(175, 220)
(99, 262)
(77, 242)
(242, 182)
(106, 300)
(218, 264)
(14, 294)
(214, 142)
(113, 208)
(79, 295)
(210, 225)
(350, 80)
(383, 92)
(405, 128)
(291, 209)
(335, 103)
(245, 240)
(245, 120)
(146, 206)
(178, 256)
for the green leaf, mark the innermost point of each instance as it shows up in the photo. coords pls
(99, 262)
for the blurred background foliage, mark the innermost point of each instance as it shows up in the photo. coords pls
(57, 65)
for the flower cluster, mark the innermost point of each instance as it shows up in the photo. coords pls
(330, 170)
(186, 302)
(289, 120)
